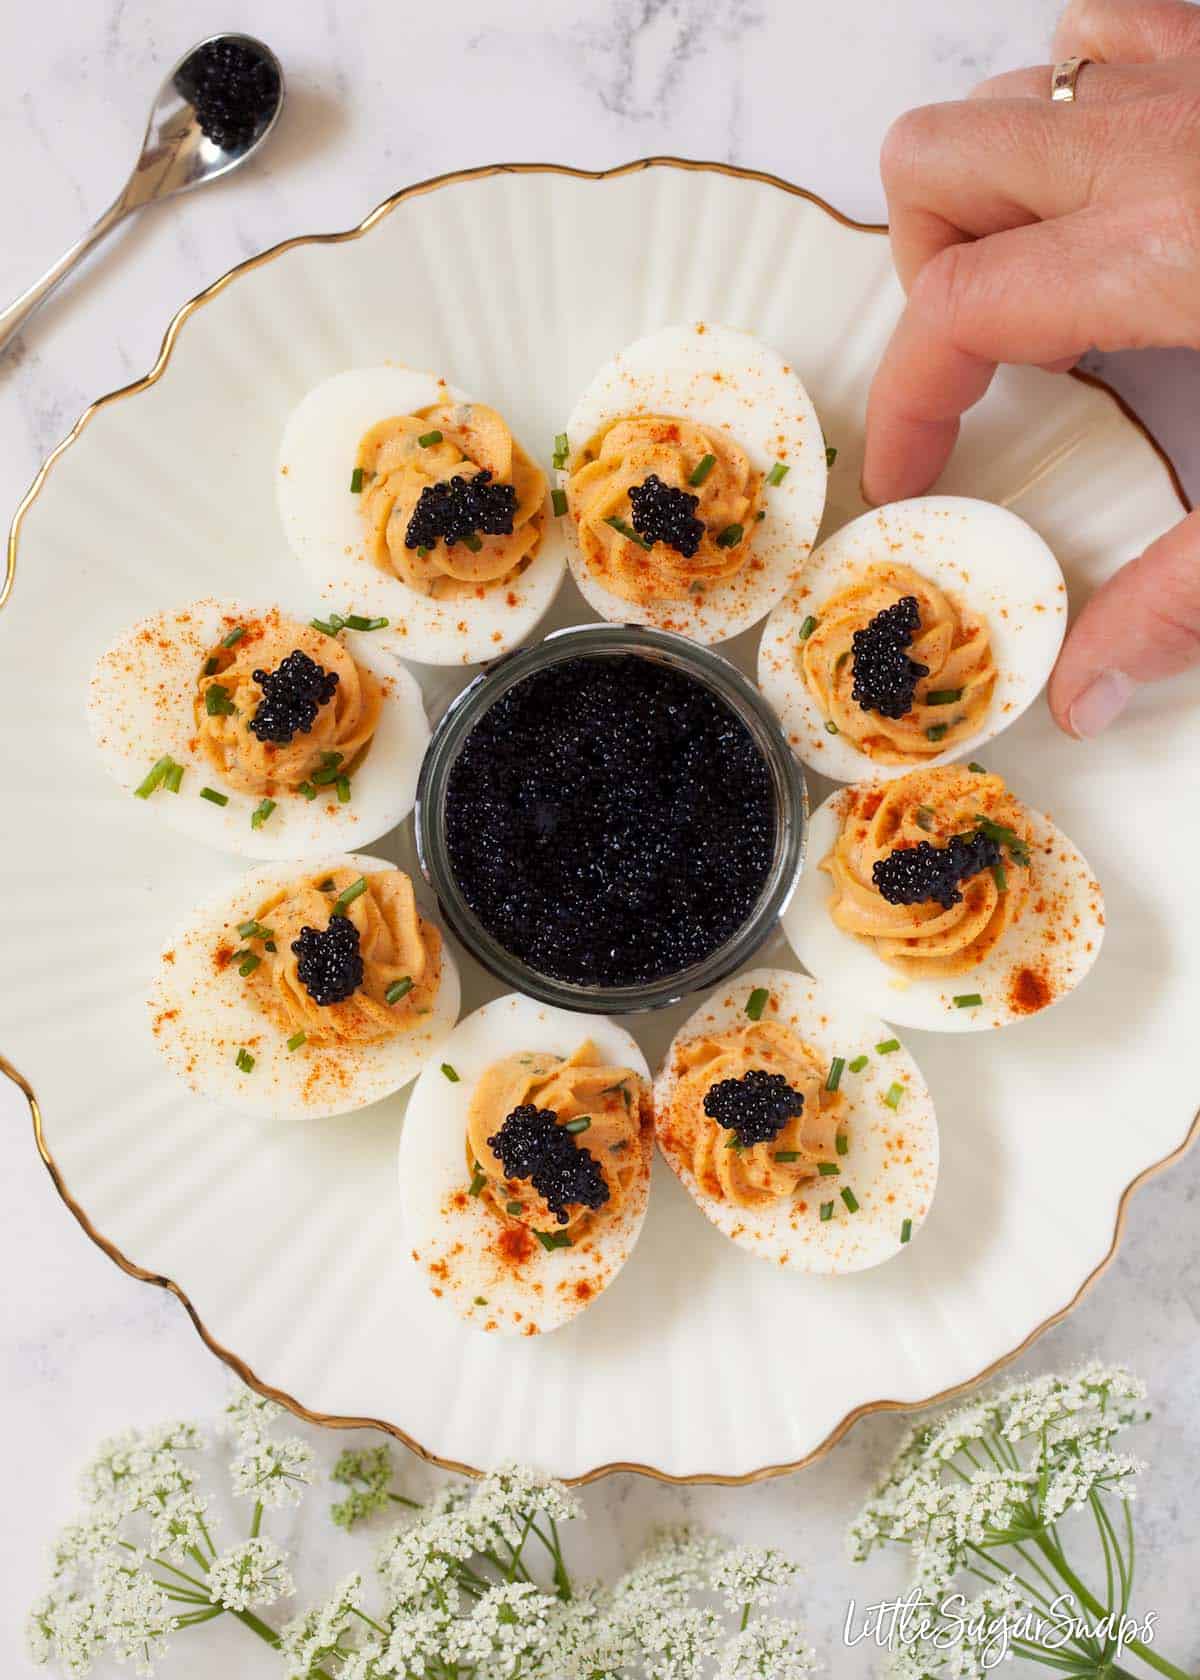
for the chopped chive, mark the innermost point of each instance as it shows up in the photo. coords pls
(943, 696)
(422, 551)
(253, 930)
(329, 769)
(331, 759)
(696, 587)
(173, 780)
(307, 789)
(886, 1046)
(1000, 878)
(850, 1199)
(701, 470)
(761, 514)
(841, 1143)
(826, 1212)
(580, 1124)
(839, 662)
(357, 622)
(731, 536)
(562, 448)
(478, 1180)
(217, 702)
(925, 815)
(343, 790)
(248, 964)
(450, 1073)
(828, 1169)
(558, 501)
(834, 1078)
(326, 885)
(244, 1061)
(858, 1064)
(154, 778)
(296, 1040)
(757, 1002)
(627, 531)
(787, 1155)
(831, 728)
(733, 1141)
(778, 473)
(213, 797)
(893, 1096)
(472, 542)
(398, 989)
(936, 731)
(553, 1239)
(513, 1207)
(270, 945)
(234, 637)
(906, 1231)
(830, 455)
(968, 1000)
(212, 666)
(807, 628)
(347, 896)
(356, 481)
(328, 626)
(428, 439)
(261, 812)
(1018, 849)
(481, 1300)
(979, 769)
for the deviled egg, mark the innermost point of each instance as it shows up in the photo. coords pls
(943, 902)
(404, 499)
(525, 1164)
(915, 633)
(693, 473)
(254, 732)
(803, 1130)
(305, 989)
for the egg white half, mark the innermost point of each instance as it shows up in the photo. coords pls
(891, 1161)
(451, 1235)
(1060, 940)
(139, 708)
(323, 522)
(201, 1016)
(717, 376)
(984, 555)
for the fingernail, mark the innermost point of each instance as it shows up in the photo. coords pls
(1103, 700)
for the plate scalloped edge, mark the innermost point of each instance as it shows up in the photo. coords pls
(130, 1267)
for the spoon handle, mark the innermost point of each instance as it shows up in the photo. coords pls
(15, 316)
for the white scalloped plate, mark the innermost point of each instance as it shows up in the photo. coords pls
(286, 1241)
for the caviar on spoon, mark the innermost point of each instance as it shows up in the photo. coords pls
(214, 110)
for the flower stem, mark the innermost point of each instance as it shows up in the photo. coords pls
(1137, 1647)
(256, 1519)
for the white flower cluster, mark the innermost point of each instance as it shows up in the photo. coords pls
(250, 1576)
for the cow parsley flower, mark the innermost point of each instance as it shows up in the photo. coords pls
(753, 1575)
(273, 1472)
(248, 1416)
(250, 1576)
(311, 1640)
(768, 1650)
(508, 1500)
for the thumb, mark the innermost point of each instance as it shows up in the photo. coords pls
(1143, 624)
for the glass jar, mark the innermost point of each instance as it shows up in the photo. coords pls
(728, 684)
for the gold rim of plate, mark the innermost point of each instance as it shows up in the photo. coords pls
(131, 1267)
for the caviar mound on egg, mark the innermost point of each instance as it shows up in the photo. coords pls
(942, 901)
(525, 1164)
(257, 732)
(305, 989)
(915, 633)
(407, 500)
(793, 1134)
(694, 479)
(610, 821)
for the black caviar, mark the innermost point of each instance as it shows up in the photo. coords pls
(755, 1108)
(233, 88)
(330, 966)
(923, 873)
(455, 511)
(610, 821)
(292, 696)
(885, 678)
(663, 514)
(532, 1145)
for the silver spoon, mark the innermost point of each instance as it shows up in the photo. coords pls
(176, 156)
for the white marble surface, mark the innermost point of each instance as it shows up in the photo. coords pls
(794, 86)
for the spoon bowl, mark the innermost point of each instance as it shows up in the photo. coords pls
(182, 148)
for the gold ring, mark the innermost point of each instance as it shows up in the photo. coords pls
(1063, 78)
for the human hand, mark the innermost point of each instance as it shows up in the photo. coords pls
(1026, 230)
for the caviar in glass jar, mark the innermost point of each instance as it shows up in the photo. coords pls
(610, 821)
